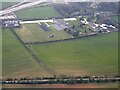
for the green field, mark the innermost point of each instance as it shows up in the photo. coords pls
(116, 18)
(89, 56)
(33, 33)
(37, 13)
(16, 61)
(7, 4)
(86, 56)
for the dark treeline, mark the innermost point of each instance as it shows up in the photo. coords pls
(62, 80)
(73, 9)
(84, 8)
(68, 39)
(109, 6)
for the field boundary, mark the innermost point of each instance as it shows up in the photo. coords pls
(68, 39)
(39, 61)
(64, 80)
(35, 57)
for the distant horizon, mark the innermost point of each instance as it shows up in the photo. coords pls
(66, 0)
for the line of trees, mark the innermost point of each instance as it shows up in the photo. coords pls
(72, 9)
(62, 80)
(63, 39)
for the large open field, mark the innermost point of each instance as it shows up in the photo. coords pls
(89, 56)
(16, 61)
(6, 4)
(33, 33)
(37, 13)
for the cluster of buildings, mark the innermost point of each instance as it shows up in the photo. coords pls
(99, 27)
(84, 21)
(60, 24)
(9, 21)
(8, 17)
(103, 27)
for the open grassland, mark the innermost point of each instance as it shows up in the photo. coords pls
(89, 56)
(33, 33)
(37, 13)
(7, 4)
(16, 61)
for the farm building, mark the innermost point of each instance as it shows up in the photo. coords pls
(12, 23)
(44, 27)
(6, 17)
(61, 23)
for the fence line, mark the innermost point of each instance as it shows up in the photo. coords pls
(38, 60)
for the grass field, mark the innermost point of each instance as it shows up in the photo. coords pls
(89, 56)
(16, 60)
(33, 33)
(37, 13)
(116, 18)
(7, 4)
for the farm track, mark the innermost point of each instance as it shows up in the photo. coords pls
(38, 60)
(34, 56)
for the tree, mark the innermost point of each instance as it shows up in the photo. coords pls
(75, 34)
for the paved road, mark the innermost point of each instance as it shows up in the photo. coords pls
(29, 3)
(49, 20)
(22, 6)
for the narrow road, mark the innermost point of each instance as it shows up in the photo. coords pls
(48, 20)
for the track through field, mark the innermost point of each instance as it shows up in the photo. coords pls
(35, 57)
